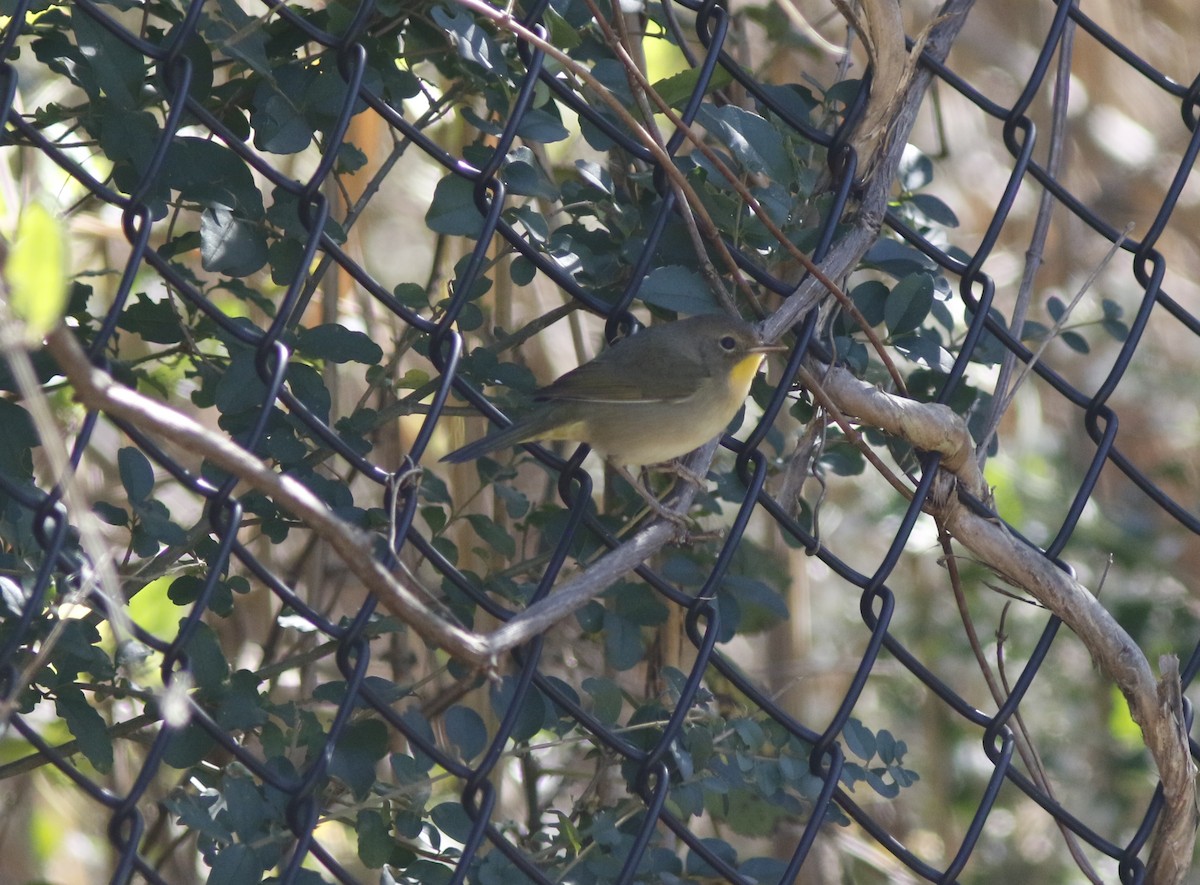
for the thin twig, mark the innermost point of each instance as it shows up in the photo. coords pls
(1037, 240)
(99, 571)
(1000, 692)
(1057, 327)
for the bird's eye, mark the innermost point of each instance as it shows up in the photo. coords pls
(728, 343)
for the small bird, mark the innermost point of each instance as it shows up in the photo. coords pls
(649, 398)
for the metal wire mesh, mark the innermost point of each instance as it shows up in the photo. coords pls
(361, 709)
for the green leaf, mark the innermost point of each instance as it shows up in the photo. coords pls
(761, 606)
(238, 34)
(187, 747)
(493, 535)
(12, 596)
(154, 321)
(241, 708)
(446, 548)
(903, 777)
(210, 174)
(638, 604)
(236, 863)
(859, 739)
(87, 725)
(750, 732)
(114, 67)
(563, 34)
(874, 779)
(334, 692)
(935, 210)
(1032, 330)
(37, 272)
(843, 459)
(230, 244)
(309, 387)
(915, 170)
(452, 819)
(763, 869)
(195, 813)
(413, 777)
(756, 143)
(466, 730)
(208, 664)
(870, 298)
(155, 520)
(924, 349)
(678, 88)
(452, 210)
(1075, 341)
(17, 440)
(239, 388)
(542, 125)
(280, 125)
(473, 43)
(532, 717)
(516, 504)
(535, 226)
(677, 288)
(1116, 329)
(484, 125)
(411, 295)
(375, 843)
(595, 176)
(896, 258)
(185, 589)
(695, 865)
(336, 343)
(358, 750)
(591, 617)
(246, 809)
(624, 646)
(887, 747)
(1055, 307)
(427, 872)
(350, 158)
(908, 304)
(524, 175)
(137, 474)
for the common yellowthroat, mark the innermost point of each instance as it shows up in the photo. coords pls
(647, 399)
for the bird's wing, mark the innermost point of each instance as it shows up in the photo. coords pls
(619, 375)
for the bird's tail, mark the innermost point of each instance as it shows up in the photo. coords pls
(507, 437)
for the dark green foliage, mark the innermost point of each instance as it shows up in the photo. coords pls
(240, 240)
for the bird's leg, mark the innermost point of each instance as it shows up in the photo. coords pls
(656, 505)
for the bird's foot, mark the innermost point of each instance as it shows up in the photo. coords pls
(679, 469)
(680, 520)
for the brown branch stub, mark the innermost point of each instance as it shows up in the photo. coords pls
(881, 29)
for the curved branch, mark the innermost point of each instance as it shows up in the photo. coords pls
(401, 592)
(1156, 706)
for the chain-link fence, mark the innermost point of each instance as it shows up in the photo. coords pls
(843, 667)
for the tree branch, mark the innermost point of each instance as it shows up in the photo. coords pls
(1156, 706)
(401, 592)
